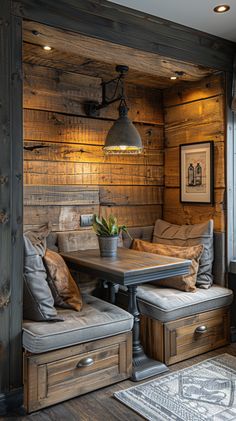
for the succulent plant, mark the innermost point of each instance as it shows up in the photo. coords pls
(108, 227)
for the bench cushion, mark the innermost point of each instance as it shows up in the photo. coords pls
(97, 320)
(166, 304)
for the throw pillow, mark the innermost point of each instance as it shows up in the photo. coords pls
(184, 282)
(64, 289)
(38, 303)
(38, 238)
(190, 235)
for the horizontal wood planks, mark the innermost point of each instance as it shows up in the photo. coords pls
(48, 151)
(61, 218)
(134, 215)
(183, 213)
(54, 90)
(130, 195)
(61, 195)
(66, 171)
(63, 128)
(51, 172)
(194, 115)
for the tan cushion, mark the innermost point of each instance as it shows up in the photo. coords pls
(190, 235)
(64, 289)
(184, 283)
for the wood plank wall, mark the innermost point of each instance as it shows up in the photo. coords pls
(66, 172)
(194, 112)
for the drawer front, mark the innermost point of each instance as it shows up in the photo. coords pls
(195, 335)
(59, 375)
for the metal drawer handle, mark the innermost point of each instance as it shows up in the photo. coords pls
(201, 329)
(85, 362)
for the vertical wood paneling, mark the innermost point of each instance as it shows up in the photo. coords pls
(11, 247)
(5, 187)
(194, 115)
(17, 205)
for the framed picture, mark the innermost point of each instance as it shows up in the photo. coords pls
(196, 172)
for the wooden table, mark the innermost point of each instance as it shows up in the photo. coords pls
(131, 268)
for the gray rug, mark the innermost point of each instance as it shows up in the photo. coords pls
(204, 391)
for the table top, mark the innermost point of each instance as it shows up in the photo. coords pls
(129, 267)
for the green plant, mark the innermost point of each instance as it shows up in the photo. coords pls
(108, 227)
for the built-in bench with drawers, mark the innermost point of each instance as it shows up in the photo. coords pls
(87, 350)
(176, 325)
(92, 348)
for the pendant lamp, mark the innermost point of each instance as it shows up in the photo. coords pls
(123, 137)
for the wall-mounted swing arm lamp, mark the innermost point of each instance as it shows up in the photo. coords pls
(123, 137)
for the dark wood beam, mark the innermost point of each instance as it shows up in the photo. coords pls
(11, 244)
(104, 20)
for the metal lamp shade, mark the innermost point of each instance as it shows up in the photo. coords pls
(123, 137)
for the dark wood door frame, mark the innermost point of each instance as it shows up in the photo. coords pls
(95, 18)
(11, 170)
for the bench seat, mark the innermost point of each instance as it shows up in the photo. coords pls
(98, 319)
(88, 350)
(166, 304)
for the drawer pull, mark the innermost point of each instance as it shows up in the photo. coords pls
(85, 362)
(201, 329)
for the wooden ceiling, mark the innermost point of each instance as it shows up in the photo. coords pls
(90, 56)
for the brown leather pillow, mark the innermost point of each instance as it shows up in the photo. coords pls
(184, 282)
(65, 291)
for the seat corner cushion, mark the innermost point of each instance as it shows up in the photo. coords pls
(97, 320)
(167, 304)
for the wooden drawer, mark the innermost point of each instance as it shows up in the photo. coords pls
(178, 340)
(183, 338)
(59, 375)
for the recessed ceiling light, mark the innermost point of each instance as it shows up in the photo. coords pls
(47, 48)
(173, 77)
(222, 8)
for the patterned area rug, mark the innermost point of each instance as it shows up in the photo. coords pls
(204, 391)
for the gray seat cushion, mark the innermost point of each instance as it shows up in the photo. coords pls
(167, 304)
(97, 320)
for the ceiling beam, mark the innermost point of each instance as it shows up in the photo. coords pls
(73, 46)
(124, 26)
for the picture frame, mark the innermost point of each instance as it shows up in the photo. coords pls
(197, 172)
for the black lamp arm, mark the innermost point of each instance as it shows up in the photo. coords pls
(92, 107)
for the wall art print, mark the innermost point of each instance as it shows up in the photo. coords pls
(197, 172)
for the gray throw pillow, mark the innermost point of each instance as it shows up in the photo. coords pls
(38, 238)
(190, 235)
(38, 303)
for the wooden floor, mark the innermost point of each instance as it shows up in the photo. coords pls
(101, 405)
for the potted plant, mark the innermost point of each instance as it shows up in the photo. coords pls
(108, 232)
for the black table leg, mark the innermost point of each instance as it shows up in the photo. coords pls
(143, 367)
(112, 292)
